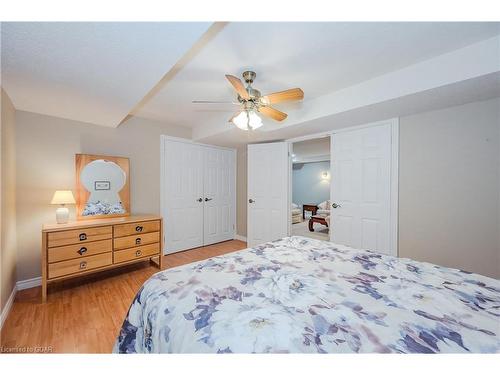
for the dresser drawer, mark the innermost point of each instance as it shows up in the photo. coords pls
(122, 230)
(57, 254)
(137, 240)
(70, 237)
(75, 266)
(136, 253)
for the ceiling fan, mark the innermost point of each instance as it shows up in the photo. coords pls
(252, 102)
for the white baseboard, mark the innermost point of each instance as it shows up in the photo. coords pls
(241, 238)
(8, 306)
(20, 285)
(29, 283)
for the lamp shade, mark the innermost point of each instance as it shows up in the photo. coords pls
(247, 120)
(63, 197)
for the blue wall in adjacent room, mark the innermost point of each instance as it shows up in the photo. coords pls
(307, 185)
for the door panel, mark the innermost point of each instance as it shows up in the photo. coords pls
(184, 186)
(268, 189)
(199, 195)
(219, 174)
(361, 185)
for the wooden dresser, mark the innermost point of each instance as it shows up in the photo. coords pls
(87, 246)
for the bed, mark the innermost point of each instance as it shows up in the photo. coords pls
(302, 295)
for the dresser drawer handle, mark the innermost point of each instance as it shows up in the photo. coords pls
(138, 228)
(138, 241)
(83, 265)
(82, 251)
(138, 253)
(82, 236)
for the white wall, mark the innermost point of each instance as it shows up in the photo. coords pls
(46, 148)
(449, 199)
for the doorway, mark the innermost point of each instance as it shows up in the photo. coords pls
(362, 209)
(310, 188)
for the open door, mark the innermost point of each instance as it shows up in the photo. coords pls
(182, 196)
(364, 175)
(267, 192)
(218, 193)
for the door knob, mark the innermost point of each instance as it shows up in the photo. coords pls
(335, 205)
(208, 199)
(251, 200)
(200, 200)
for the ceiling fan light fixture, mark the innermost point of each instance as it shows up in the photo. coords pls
(247, 120)
(255, 120)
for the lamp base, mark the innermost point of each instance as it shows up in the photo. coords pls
(62, 215)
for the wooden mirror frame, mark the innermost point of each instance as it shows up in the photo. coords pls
(82, 195)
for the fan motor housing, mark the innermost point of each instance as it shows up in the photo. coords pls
(254, 94)
(249, 76)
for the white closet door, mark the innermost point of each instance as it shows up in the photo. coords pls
(267, 192)
(361, 188)
(183, 196)
(219, 193)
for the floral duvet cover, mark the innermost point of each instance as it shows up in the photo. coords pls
(300, 295)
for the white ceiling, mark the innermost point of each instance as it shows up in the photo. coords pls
(91, 72)
(350, 72)
(471, 90)
(318, 57)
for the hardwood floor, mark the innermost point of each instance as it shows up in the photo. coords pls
(84, 315)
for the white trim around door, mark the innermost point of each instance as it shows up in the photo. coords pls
(395, 186)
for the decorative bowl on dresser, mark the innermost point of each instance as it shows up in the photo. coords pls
(82, 247)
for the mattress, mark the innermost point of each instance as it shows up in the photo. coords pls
(300, 295)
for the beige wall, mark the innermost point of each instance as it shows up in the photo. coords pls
(449, 187)
(46, 148)
(7, 200)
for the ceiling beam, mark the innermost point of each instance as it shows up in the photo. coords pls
(212, 31)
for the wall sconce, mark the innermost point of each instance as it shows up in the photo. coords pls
(325, 175)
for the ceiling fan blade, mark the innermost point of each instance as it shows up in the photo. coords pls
(213, 102)
(238, 86)
(283, 96)
(273, 113)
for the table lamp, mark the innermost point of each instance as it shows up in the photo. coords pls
(62, 197)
